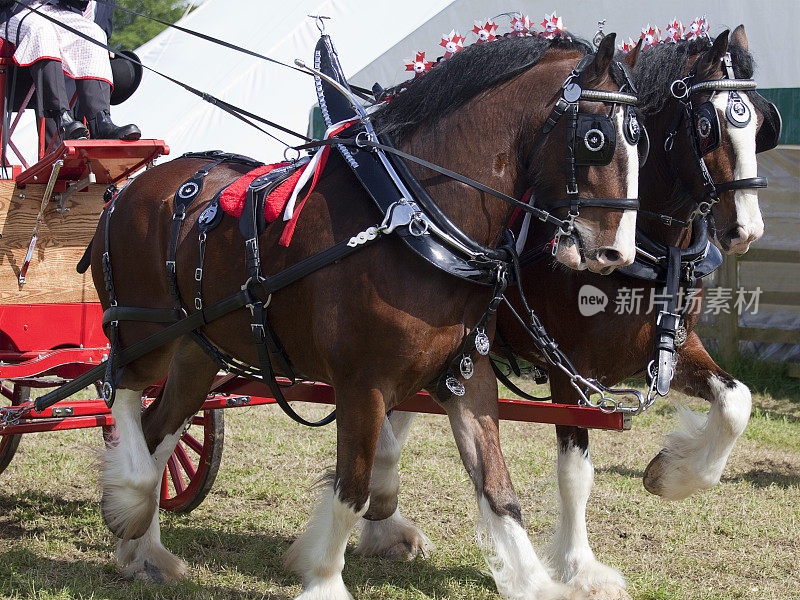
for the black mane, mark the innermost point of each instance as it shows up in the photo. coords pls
(660, 65)
(453, 82)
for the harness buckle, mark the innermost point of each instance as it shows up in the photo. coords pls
(198, 304)
(668, 320)
(572, 189)
(179, 216)
(679, 89)
(171, 266)
(198, 274)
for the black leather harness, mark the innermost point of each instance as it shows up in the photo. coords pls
(408, 210)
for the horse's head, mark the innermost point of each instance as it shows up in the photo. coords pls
(591, 153)
(713, 125)
(531, 114)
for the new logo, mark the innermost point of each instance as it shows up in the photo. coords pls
(591, 300)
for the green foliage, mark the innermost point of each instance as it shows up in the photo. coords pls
(131, 31)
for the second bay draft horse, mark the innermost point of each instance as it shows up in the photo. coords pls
(380, 324)
(613, 346)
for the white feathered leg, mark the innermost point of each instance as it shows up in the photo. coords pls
(695, 456)
(569, 552)
(128, 475)
(318, 554)
(145, 558)
(395, 536)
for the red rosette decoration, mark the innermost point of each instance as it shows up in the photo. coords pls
(485, 30)
(651, 36)
(521, 25)
(418, 64)
(553, 25)
(452, 42)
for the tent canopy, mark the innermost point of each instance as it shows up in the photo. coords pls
(374, 38)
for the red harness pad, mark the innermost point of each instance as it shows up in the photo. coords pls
(232, 199)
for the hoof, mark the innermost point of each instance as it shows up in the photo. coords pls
(675, 478)
(652, 478)
(608, 592)
(329, 588)
(149, 572)
(396, 538)
(151, 563)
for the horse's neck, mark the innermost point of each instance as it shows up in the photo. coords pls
(464, 142)
(662, 191)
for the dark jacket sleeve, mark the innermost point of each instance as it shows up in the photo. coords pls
(8, 9)
(104, 16)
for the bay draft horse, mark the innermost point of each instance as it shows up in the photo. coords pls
(379, 325)
(613, 347)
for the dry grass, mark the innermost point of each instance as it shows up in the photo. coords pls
(739, 540)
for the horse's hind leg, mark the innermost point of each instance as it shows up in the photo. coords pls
(694, 457)
(318, 553)
(128, 475)
(517, 570)
(387, 532)
(159, 429)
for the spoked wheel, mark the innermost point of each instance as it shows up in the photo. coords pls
(9, 443)
(192, 468)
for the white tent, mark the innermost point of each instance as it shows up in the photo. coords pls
(373, 37)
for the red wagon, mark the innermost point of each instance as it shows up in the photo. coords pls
(50, 318)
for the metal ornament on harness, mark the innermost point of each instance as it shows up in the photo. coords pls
(455, 386)
(466, 367)
(482, 343)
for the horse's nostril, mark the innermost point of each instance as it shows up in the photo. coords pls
(733, 233)
(610, 255)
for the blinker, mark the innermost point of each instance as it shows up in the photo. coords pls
(595, 140)
(769, 133)
(706, 125)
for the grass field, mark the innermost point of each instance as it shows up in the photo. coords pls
(738, 540)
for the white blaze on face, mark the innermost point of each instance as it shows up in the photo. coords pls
(748, 214)
(625, 242)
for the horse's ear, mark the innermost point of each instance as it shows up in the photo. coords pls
(739, 37)
(710, 62)
(632, 56)
(598, 70)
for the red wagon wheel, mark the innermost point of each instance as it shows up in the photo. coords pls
(9, 443)
(192, 468)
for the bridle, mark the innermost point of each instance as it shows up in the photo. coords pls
(591, 140)
(705, 135)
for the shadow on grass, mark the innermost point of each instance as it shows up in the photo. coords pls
(769, 472)
(261, 556)
(255, 556)
(621, 470)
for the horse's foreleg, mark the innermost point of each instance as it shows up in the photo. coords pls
(517, 570)
(569, 551)
(190, 377)
(318, 553)
(386, 532)
(695, 456)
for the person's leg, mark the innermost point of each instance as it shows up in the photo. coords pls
(52, 102)
(94, 98)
